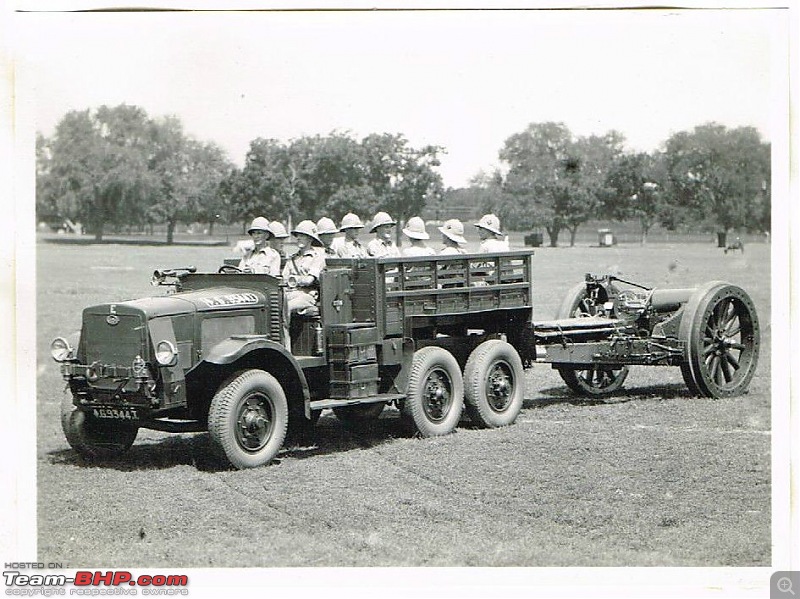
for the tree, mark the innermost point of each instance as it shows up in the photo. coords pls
(403, 178)
(208, 167)
(719, 175)
(94, 169)
(553, 180)
(637, 189)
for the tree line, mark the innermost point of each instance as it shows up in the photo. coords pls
(118, 167)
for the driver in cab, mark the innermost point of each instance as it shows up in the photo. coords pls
(261, 258)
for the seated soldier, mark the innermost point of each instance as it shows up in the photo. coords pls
(492, 239)
(279, 236)
(415, 231)
(301, 273)
(453, 237)
(350, 246)
(327, 231)
(261, 258)
(383, 244)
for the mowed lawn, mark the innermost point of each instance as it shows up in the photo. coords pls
(650, 477)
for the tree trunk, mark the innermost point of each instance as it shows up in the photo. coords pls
(552, 233)
(645, 230)
(170, 231)
(572, 232)
(210, 228)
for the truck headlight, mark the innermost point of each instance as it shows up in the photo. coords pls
(166, 354)
(61, 350)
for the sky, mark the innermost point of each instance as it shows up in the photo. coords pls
(464, 80)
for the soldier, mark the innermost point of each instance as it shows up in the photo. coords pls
(453, 237)
(301, 273)
(279, 236)
(383, 244)
(326, 229)
(415, 231)
(350, 246)
(261, 258)
(492, 239)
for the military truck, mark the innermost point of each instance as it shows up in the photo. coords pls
(434, 336)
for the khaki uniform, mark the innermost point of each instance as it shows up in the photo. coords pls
(414, 250)
(309, 263)
(263, 261)
(378, 248)
(346, 248)
(491, 246)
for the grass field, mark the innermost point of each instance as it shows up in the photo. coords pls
(651, 477)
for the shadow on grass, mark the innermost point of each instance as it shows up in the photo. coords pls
(330, 436)
(562, 395)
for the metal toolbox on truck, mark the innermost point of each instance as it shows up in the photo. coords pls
(352, 354)
(355, 333)
(350, 381)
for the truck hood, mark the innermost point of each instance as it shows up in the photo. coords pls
(205, 300)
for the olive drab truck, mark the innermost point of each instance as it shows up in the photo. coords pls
(434, 336)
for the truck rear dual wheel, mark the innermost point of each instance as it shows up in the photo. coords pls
(494, 384)
(720, 330)
(94, 438)
(435, 393)
(248, 419)
(592, 380)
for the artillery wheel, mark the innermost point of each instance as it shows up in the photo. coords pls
(361, 414)
(94, 438)
(435, 392)
(248, 418)
(494, 384)
(722, 336)
(593, 380)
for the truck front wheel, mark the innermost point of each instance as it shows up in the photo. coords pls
(248, 418)
(94, 438)
(435, 393)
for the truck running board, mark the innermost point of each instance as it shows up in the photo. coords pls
(321, 404)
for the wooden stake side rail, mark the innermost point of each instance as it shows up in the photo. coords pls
(388, 290)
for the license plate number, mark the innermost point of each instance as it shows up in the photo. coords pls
(115, 413)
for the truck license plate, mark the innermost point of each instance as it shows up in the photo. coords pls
(115, 413)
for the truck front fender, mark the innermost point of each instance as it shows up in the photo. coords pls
(258, 351)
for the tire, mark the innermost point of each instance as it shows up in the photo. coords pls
(248, 419)
(94, 438)
(494, 384)
(361, 414)
(593, 380)
(435, 393)
(721, 333)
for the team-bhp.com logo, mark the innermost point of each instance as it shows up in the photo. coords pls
(95, 584)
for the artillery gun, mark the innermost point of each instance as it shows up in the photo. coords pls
(433, 336)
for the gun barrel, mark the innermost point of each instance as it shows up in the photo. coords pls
(667, 300)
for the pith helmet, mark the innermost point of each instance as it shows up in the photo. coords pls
(326, 226)
(454, 229)
(307, 227)
(491, 223)
(278, 230)
(351, 221)
(415, 228)
(382, 218)
(259, 224)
